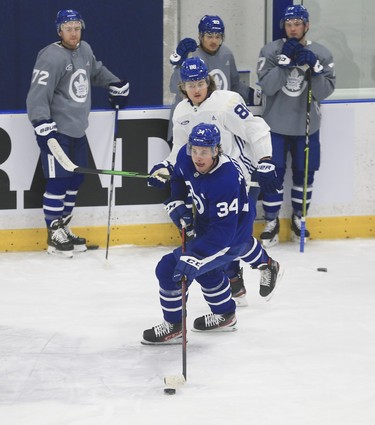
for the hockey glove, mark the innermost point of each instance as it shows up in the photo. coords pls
(185, 46)
(187, 266)
(291, 48)
(156, 178)
(267, 176)
(180, 214)
(45, 130)
(307, 57)
(118, 94)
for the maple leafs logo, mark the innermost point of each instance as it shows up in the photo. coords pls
(81, 86)
(295, 83)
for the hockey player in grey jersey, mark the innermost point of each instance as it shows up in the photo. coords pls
(217, 56)
(58, 106)
(283, 67)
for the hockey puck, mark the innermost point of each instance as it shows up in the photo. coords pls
(169, 391)
(92, 247)
(322, 269)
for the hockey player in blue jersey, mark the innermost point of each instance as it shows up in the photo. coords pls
(283, 68)
(223, 227)
(243, 137)
(58, 106)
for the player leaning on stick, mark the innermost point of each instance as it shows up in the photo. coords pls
(223, 225)
(283, 67)
(58, 106)
(217, 56)
(243, 137)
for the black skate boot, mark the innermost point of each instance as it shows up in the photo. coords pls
(270, 276)
(79, 243)
(57, 241)
(295, 234)
(238, 289)
(270, 234)
(215, 323)
(164, 334)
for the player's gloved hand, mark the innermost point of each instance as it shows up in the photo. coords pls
(185, 46)
(44, 130)
(118, 94)
(157, 172)
(268, 179)
(291, 48)
(180, 214)
(307, 57)
(187, 266)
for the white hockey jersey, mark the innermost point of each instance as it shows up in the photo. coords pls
(243, 137)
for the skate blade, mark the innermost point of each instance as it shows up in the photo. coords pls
(269, 243)
(174, 341)
(215, 330)
(63, 254)
(297, 239)
(80, 248)
(279, 277)
(240, 301)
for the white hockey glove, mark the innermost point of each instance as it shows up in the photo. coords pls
(157, 172)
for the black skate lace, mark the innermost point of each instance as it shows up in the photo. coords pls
(60, 236)
(163, 329)
(213, 319)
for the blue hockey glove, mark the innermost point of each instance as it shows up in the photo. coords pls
(188, 266)
(45, 130)
(180, 214)
(291, 48)
(267, 176)
(118, 94)
(185, 46)
(156, 178)
(306, 57)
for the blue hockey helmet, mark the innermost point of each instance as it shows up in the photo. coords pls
(67, 15)
(205, 135)
(298, 11)
(211, 24)
(193, 69)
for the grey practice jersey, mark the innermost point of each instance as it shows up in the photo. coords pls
(221, 66)
(60, 87)
(243, 137)
(285, 89)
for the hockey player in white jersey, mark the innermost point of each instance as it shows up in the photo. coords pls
(243, 137)
(283, 67)
(223, 225)
(217, 56)
(58, 106)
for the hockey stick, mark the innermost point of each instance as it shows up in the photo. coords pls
(306, 170)
(112, 180)
(174, 381)
(68, 165)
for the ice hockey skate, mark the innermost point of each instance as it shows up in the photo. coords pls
(164, 334)
(270, 276)
(295, 234)
(270, 234)
(57, 241)
(238, 289)
(215, 323)
(79, 244)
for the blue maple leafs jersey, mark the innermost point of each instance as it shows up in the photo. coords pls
(223, 217)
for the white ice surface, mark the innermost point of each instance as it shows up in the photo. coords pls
(70, 351)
